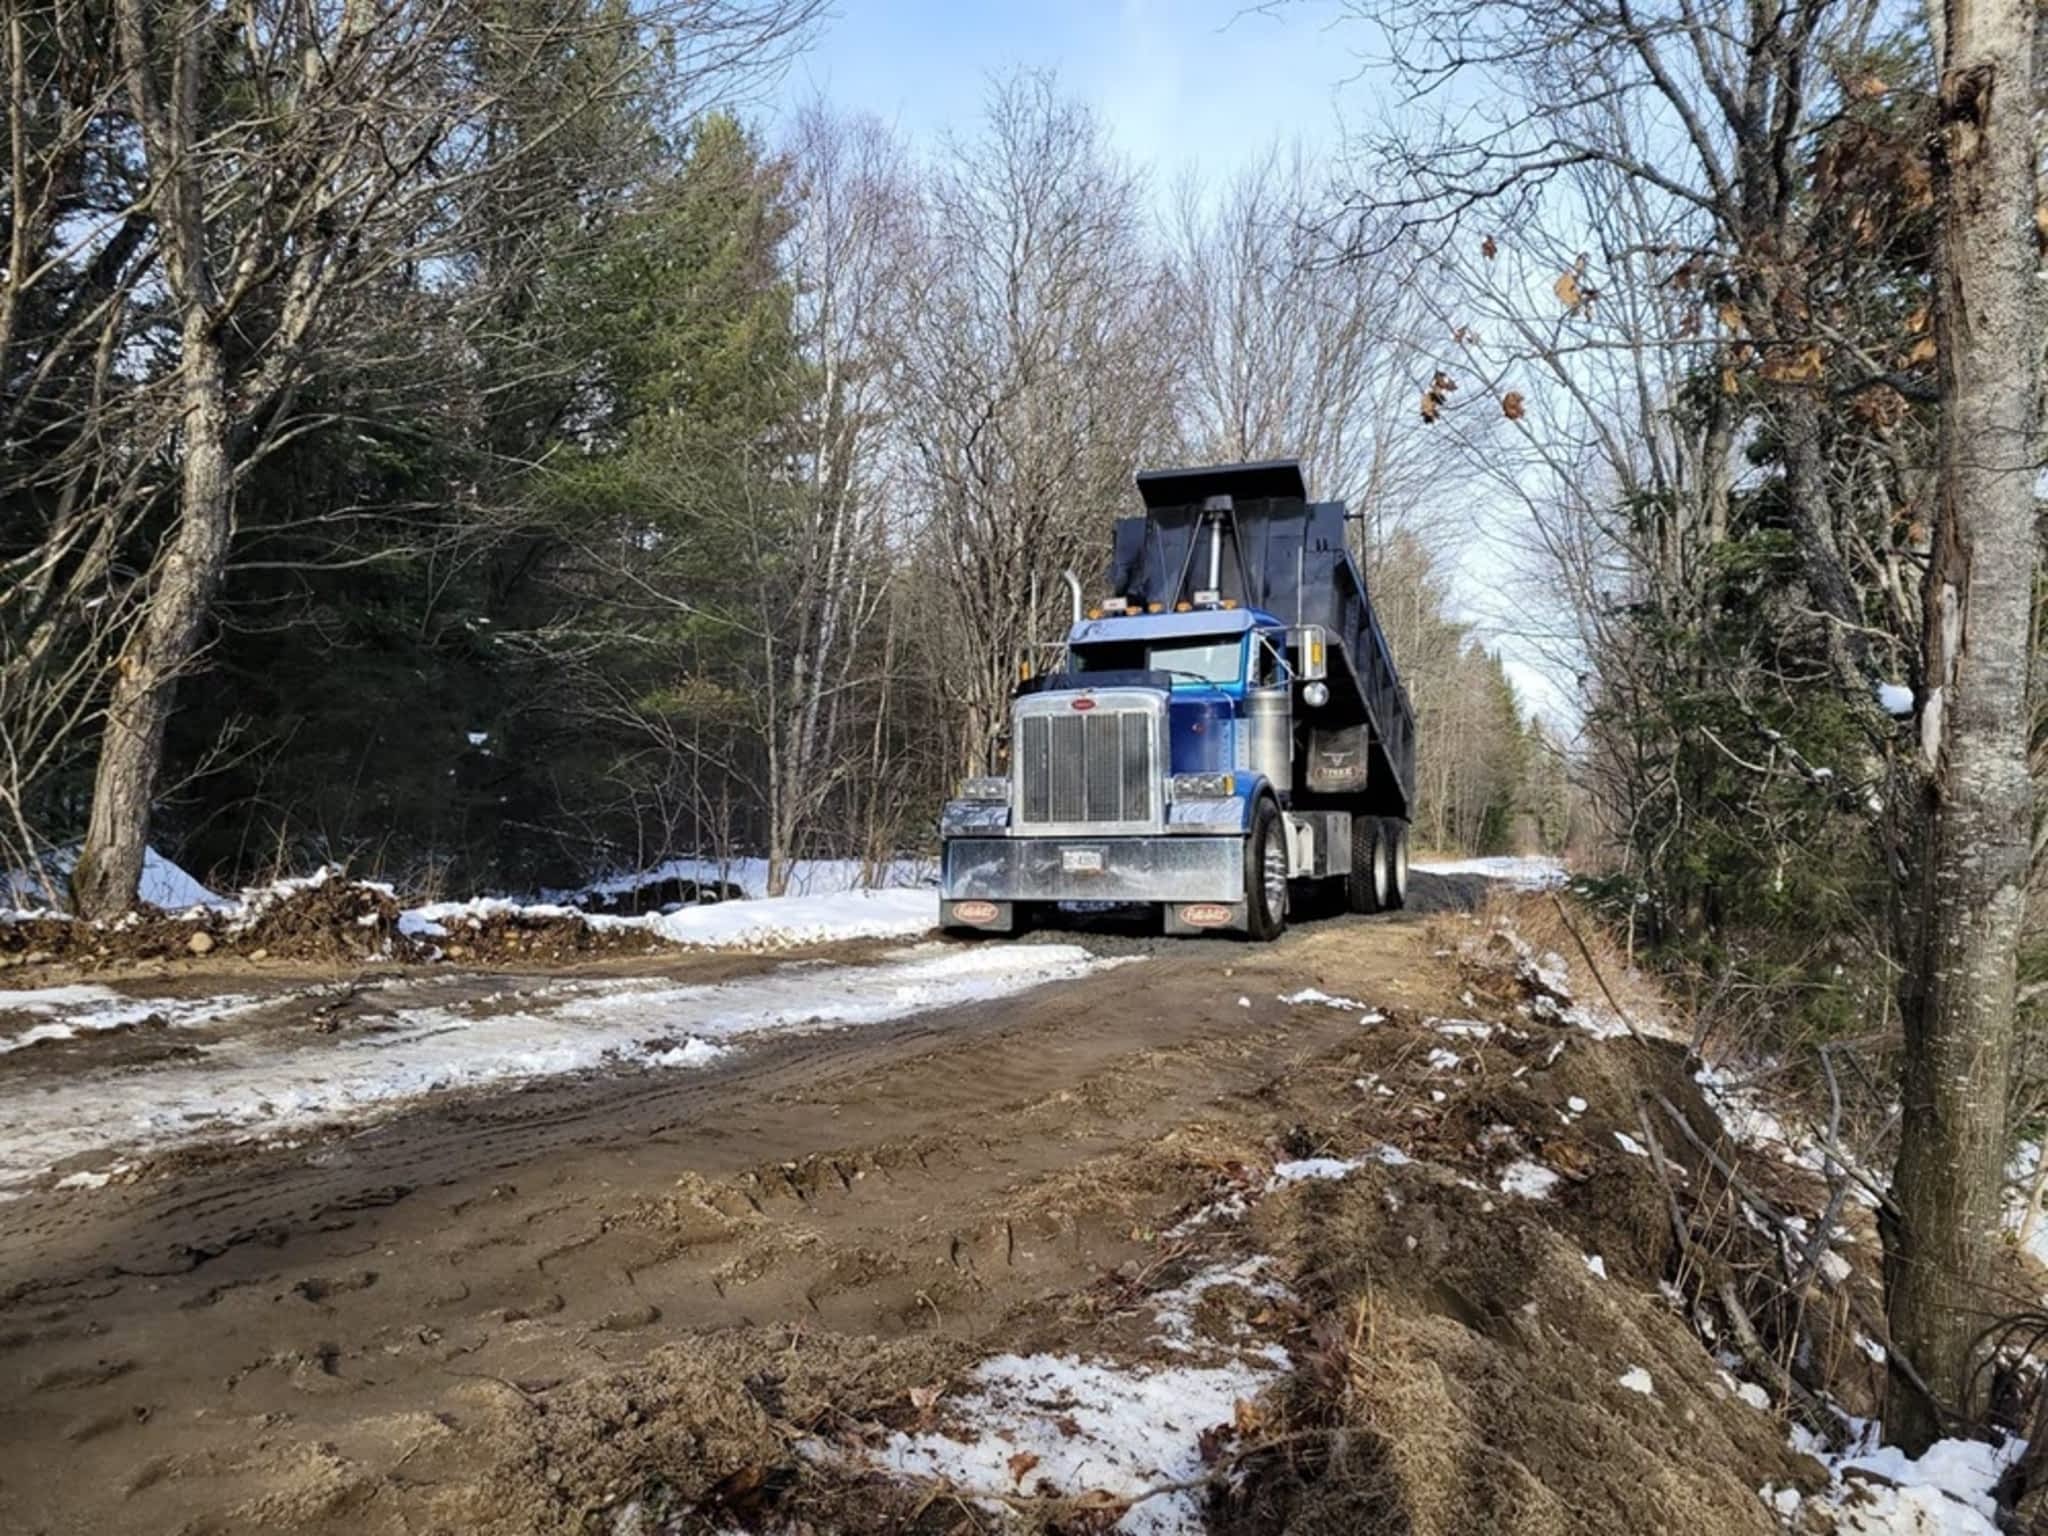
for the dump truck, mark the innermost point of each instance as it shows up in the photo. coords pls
(1226, 727)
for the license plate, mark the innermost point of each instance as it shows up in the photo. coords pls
(1081, 861)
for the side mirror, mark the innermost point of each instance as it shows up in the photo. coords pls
(1310, 643)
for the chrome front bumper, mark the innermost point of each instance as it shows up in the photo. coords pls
(1176, 868)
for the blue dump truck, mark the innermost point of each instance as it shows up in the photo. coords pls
(1227, 726)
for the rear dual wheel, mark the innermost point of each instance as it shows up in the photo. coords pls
(1378, 881)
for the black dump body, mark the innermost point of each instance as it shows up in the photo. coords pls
(1284, 554)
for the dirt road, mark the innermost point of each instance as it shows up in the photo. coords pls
(305, 1335)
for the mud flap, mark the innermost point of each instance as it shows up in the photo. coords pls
(1186, 919)
(973, 916)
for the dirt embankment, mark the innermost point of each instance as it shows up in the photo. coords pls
(331, 921)
(1346, 1232)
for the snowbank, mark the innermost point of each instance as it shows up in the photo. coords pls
(778, 922)
(781, 921)
(807, 877)
(1878, 1490)
(163, 885)
(1527, 874)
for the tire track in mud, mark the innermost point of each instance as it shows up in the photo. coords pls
(239, 1196)
(194, 1206)
(921, 1174)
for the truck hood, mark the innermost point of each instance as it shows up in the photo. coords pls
(1090, 682)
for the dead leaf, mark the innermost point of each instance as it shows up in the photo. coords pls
(1211, 1441)
(1729, 383)
(1730, 317)
(1488, 249)
(1917, 182)
(922, 1398)
(1511, 405)
(1689, 323)
(1435, 397)
(1066, 1426)
(1246, 1417)
(1922, 351)
(1919, 320)
(1869, 88)
(1020, 1464)
(1793, 365)
(1568, 293)
(1880, 406)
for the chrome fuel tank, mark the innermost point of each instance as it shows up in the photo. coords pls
(1269, 728)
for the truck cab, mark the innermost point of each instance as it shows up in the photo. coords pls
(1195, 751)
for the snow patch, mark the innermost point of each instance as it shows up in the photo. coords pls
(1528, 1180)
(1060, 1423)
(1878, 1490)
(86, 1009)
(1082, 1425)
(1175, 1310)
(1309, 1168)
(1342, 1004)
(1468, 1029)
(1636, 1379)
(265, 1084)
(1527, 874)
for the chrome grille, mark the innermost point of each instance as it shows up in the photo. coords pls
(1086, 768)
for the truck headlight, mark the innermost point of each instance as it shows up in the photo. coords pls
(985, 786)
(1315, 695)
(1204, 786)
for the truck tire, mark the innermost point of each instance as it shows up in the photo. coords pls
(1265, 875)
(1370, 884)
(1396, 831)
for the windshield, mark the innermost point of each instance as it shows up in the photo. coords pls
(1213, 661)
(1189, 661)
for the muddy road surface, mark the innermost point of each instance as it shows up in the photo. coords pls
(311, 1316)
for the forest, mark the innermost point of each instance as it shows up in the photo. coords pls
(591, 474)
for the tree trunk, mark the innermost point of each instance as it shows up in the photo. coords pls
(162, 643)
(1965, 904)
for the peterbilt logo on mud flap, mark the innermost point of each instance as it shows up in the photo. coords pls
(975, 911)
(1205, 914)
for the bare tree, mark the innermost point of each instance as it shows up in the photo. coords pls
(1035, 374)
(822, 594)
(1292, 352)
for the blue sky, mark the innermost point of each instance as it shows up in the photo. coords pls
(1180, 84)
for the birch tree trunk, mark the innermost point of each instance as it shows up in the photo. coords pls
(1965, 907)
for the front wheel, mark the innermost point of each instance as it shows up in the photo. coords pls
(1265, 875)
